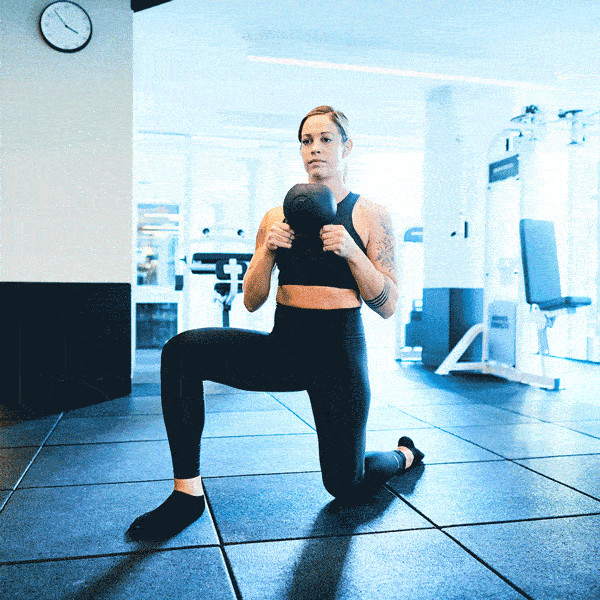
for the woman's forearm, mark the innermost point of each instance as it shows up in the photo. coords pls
(257, 281)
(378, 291)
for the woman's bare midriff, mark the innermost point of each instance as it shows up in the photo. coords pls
(312, 296)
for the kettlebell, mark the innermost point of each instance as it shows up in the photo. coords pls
(309, 206)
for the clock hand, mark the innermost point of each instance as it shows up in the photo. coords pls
(58, 15)
(64, 23)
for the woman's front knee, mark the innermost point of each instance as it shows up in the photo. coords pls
(181, 341)
(175, 352)
(172, 347)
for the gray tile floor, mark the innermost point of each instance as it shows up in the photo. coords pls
(506, 506)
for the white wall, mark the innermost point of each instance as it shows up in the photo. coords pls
(66, 132)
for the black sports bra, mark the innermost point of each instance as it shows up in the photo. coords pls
(306, 263)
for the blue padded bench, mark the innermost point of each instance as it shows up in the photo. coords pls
(541, 275)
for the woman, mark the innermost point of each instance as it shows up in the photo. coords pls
(317, 343)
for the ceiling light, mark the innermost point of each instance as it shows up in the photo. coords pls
(294, 62)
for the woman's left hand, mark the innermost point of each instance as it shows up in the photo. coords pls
(337, 239)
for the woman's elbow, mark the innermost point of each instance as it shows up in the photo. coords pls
(250, 306)
(388, 311)
(253, 302)
(389, 308)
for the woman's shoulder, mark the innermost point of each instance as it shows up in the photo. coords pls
(367, 209)
(273, 215)
(363, 218)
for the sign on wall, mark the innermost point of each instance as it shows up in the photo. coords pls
(504, 169)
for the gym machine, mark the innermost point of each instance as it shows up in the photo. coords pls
(522, 278)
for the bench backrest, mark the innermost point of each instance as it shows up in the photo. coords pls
(540, 261)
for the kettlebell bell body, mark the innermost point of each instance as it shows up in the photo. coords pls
(309, 206)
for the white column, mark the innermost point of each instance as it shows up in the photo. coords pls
(581, 256)
(461, 125)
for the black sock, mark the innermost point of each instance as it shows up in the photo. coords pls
(177, 512)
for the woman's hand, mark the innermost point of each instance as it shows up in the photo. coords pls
(280, 235)
(272, 234)
(337, 239)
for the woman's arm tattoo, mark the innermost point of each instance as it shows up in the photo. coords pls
(380, 300)
(385, 245)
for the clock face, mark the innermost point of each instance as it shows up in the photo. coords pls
(66, 26)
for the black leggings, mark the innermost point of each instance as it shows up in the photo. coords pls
(321, 351)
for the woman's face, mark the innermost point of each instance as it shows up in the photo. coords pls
(323, 151)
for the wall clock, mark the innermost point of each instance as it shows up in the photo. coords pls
(66, 26)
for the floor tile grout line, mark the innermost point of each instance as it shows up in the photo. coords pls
(214, 437)
(545, 421)
(470, 405)
(426, 424)
(594, 437)
(20, 447)
(514, 461)
(16, 485)
(310, 433)
(325, 536)
(479, 559)
(261, 474)
(289, 409)
(440, 428)
(89, 443)
(228, 565)
(411, 506)
(492, 404)
(524, 520)
(133, 482)
(553, 456)
(230, 573)
(158, 413)
(306, 471)
(533, 420)
(78, 485)
(514, 586)
(560, 482)
(563, 425)
(516, 412)
(69, 418)
(238, 475)
(210, 437)
(148, 548)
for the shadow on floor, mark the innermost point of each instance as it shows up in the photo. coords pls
(116, 576)
(318, 572)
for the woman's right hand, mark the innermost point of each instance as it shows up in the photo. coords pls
(280, 235)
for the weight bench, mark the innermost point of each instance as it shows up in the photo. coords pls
(541, 275)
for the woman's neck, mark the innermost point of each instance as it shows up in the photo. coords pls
(338, 187)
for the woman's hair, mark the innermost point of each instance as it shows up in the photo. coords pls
(336, 116)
